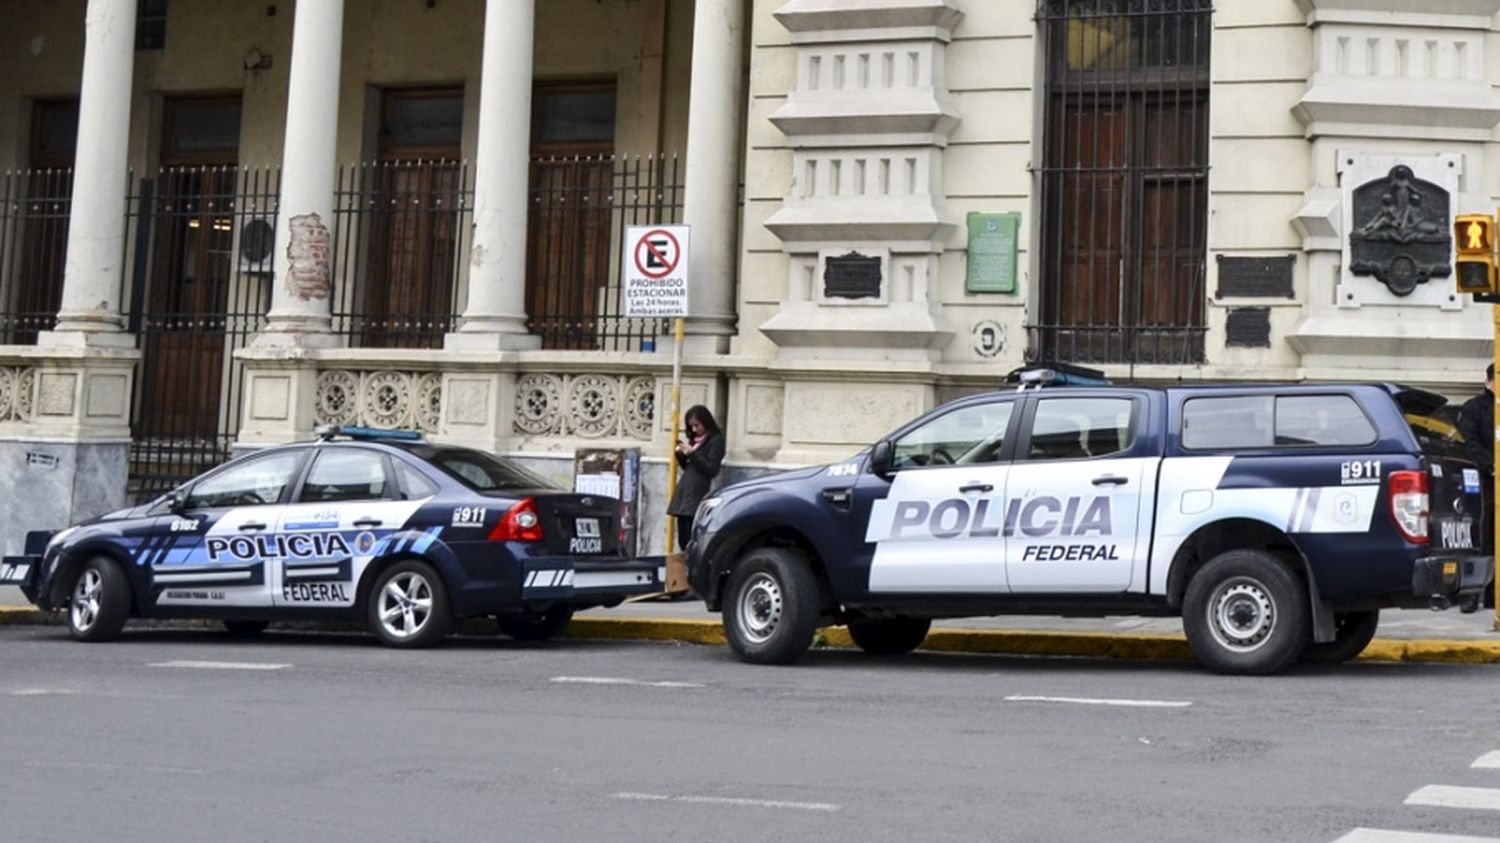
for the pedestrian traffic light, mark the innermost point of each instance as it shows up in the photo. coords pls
(1474, 236)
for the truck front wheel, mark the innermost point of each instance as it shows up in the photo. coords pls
(771, 606)
(889, 636)
(1245, 612)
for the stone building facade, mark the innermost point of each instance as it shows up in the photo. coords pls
(893, 202)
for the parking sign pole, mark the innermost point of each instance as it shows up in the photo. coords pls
(679, 330)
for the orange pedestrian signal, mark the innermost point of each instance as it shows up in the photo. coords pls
(1474, 239)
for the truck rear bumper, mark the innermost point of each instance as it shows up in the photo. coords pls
(1444, 580)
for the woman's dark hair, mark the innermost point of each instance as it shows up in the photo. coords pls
(704, 417)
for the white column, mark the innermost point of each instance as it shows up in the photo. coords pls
(94, 266)
(495, 314)
(716, 105)
(300, 295)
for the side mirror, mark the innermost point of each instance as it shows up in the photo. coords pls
(176, 500)
(882, 458)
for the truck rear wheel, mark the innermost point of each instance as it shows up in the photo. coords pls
(771, 606)
(889, 636)
(1353, 632)
(1246, 612)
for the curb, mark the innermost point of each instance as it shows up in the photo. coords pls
(1095, 645)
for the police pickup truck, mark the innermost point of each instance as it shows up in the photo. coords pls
(1277, 521)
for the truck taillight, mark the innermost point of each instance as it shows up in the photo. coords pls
(520, 523)
(1409, 504)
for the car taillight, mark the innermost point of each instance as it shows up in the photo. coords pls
(520, 523)
(1409, 504)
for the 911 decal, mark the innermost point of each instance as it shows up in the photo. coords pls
(1359, 472)
(469, 516)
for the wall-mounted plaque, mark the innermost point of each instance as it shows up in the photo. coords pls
(851, 276)
(1399, 232)
(1256, 277)
(992, 253)
(1247, 327)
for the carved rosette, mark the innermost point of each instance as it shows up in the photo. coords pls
(16, 387)
(591, 406)
(387, 399)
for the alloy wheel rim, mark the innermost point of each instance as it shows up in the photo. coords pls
(85, 608)
(405, 604)
(760, 608)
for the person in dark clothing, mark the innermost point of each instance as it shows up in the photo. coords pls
(699, 456)
(1476, 421)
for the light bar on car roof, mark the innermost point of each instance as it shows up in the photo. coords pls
(367, 434)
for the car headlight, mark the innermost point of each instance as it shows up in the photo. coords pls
(58, 539)
(706, 506)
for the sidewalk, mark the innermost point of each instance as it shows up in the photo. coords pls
(1404, 634)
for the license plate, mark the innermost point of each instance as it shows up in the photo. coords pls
(15, 572)
(586, 528)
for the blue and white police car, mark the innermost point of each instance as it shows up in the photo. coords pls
(1276, 520)
(380, 525)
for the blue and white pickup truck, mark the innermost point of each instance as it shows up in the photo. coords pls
(1277, 521)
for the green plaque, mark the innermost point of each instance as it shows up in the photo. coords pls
(992, 252)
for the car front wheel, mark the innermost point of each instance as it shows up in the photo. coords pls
(100, 602)
(771, 606)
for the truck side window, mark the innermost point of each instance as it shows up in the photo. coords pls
(1266, 421)
(1321, 420)
(1234, 421)
(967, 436)
(1079, 428)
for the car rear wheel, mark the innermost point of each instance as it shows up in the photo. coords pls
(771, 606)
(889, 636)
(100, 602)
(408, 607)
(1246, 613)
(244, 629)
(536, 626)
(1353, 632)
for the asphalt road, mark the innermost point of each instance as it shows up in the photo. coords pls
(184, 734)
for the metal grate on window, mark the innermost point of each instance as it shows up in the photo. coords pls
(1124, 181)
(151, 25)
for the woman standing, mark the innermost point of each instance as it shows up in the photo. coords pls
(699, 457)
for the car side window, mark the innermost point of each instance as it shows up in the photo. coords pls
(346, 474)
(414, 486)
(966, 436)
(257, 480)
(1080, 428)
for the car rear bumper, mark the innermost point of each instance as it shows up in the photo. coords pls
(567, 579)
(1445, 579)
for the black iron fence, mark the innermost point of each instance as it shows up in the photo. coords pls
(34, 206)
(199, 241)
(580, 209)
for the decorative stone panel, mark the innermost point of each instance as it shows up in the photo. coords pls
(590, 405)
(17, 388)
(384, 398)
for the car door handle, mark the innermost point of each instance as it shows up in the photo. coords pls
(249, 526)
(368, 522)
(1110, 480)
(976, 487)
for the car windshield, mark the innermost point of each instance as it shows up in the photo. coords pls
(484, 472)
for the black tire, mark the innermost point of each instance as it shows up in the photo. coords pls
(536, 626)
(244, 629)
(771, 606)
(408, 606)
(1353, 631)
(1246, 612)
(100, 601)
(889, 636)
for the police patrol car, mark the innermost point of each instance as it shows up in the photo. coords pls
(381, 525)
(1276, 520)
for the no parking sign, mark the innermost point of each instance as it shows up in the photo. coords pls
(654, 270)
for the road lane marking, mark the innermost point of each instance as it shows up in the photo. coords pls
(40, 692)
(727, 800)
(615, 680)
(1452, 796)
(1487, 761)
(1377, 835)
(1091, 701)
(222, 665)
(111, 768)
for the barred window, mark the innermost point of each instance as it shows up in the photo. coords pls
(1124, 181)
